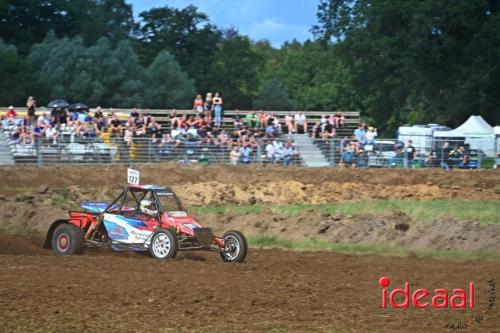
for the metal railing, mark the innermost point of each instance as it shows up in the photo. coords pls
(85, 150)
(387, 153)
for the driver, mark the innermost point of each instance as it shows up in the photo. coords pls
(148, 207)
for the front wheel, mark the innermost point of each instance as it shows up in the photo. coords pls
(163, 245)
(235, 247)
(67, 240)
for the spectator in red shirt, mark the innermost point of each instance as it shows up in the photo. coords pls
(262, 118)
(11, 113)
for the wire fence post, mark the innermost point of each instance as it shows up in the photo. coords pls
(332, 152)
(39, 158)
(185, 153)
(259, 154)
(149, 150)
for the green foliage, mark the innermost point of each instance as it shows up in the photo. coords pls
(10, 65)
(186, 34)
(482, 211)
(167, 85)
(27, 22)
(274, 97)
(418, 60)
(101, 75)
(235, 71)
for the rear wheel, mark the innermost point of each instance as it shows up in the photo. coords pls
(163, 245)
(235, 247)
(67, 240)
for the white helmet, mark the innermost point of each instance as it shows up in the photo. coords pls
(148, 207)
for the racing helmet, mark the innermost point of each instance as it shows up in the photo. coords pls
(148, 207)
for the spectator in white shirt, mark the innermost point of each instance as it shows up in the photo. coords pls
(300, 120)
(370, 135)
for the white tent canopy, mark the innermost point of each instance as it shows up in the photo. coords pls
(474, 127)
(496, 130)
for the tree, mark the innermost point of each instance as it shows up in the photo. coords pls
(167, 85)
(186, 33)
(24, 23)
(418, 60)
(274, 97)
(11, 86)
(97, 75)
(234, 72)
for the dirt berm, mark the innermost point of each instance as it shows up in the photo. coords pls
(32, 198)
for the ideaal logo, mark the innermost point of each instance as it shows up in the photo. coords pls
(423, 298)
(457, 298)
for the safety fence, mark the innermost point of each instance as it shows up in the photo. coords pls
(147, 150)
(386, 153)
(391, 153)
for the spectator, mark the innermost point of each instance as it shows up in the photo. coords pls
(269, 151)
(217, 109)
(192, 133)
(11, 113)
(56, 115)
(245, 152)
(324, 121)
(262, 119)
(271, 131)
(51, 133)
(443, 155)
(238, 124)
(199, 105)
(208, 107)
(328, 131)
(317, 130)
(431, 160)
(290, 124)
(275, 121)
(31, 105)
(339, 120)
(278, 150)
(410, 153)
(370, 135)
(252, 120)
(115, 126)
(288, 153)
(300, 121)
(348, 157)
(129, 136)
(234, 155)
(134, 114)
(174, 119)
(43, 121)
(98, 113)
(360, 134)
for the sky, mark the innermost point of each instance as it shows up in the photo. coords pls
(275, 20)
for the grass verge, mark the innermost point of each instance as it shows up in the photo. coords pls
(271, 241)
(482, 211)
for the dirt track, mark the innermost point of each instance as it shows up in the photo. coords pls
(274, 291)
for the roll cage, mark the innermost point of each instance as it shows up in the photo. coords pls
(122, 205)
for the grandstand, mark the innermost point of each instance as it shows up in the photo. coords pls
(87, 150)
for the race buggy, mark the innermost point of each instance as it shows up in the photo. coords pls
(142, 218)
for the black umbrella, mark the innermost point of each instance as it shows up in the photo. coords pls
(78, 107)
(58, 103)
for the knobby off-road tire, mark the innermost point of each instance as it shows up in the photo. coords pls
(235, 247)
(163, 245)
(67, 240)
